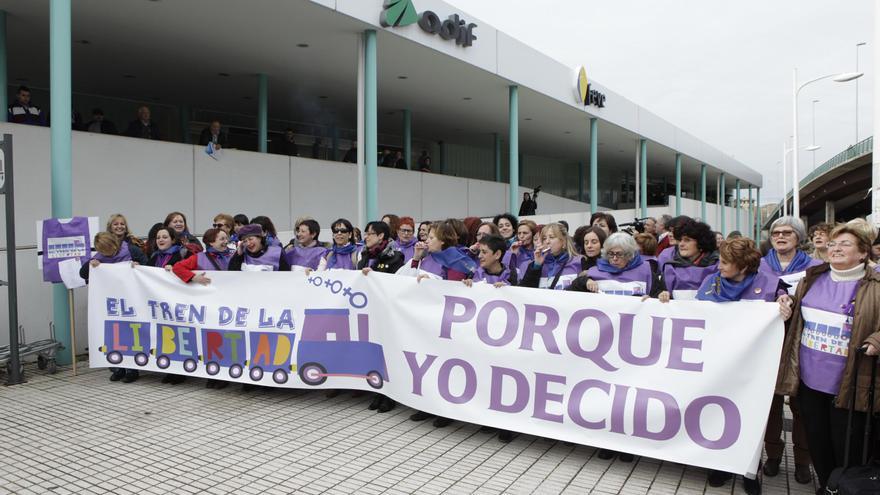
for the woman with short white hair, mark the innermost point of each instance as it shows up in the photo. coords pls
(622, 270)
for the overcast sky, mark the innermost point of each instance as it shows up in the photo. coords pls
(719, 70)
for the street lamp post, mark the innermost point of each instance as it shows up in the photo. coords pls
(862, 43)
(796, 89)
(813, 147)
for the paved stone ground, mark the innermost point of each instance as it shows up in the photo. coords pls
(65, 434)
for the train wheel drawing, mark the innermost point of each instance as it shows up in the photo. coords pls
(141, 359)
(163, 362)
(256, 374)
(279, 376)
(190, 365)
(235, 371)
(114, 357)
(313, 374)
(374, 379)
(212, 368)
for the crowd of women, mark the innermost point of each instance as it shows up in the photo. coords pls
(827, 280)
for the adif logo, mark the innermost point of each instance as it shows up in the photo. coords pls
(583, 93)
(398, 13)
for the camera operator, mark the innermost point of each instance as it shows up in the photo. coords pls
(529, 203)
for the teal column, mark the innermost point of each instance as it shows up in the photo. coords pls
(497, 158)
(723, 205)
(581, 181)
(594, 165)
(263, 115)
(185, 116)
(738, 205)
(643, 175)
(371, 127)
(678, 184)
(513, 143)
(703, 170)
(3, 78)
(60, 93)
(407, 138)
(751, 216)
(760, 224)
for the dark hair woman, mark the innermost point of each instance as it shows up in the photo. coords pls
(834, 318)
(604, 221)
(343, 255)
(307, 251)
(214, 258)
(694, 259)
(268, 229)
(507, 226)
(254, 255)
(177, 221)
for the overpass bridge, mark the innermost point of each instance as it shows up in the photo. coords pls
(838, 190)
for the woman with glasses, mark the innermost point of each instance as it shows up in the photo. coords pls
(834, 316)
(789, 263)
(556, 263)
(307, 251)
(379, 255)
(406, 238)
(344, 253)
(695, 257)
(622, 271)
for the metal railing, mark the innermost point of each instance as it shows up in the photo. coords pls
(857, 150)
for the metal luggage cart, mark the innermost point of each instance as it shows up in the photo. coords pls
(45, 350)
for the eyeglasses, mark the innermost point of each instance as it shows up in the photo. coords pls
(220, 225)
(612, 255)
(843, 244)
(782, 233)
(369, 233)
(406, 231)
(341, 231)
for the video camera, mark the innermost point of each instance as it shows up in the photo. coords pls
(631, 228)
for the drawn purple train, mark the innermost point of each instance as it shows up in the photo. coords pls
(126, 338)
(326, 349)
(262, 352)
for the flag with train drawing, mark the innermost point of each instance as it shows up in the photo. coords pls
(688, 381)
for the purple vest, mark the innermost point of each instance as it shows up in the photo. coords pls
(482, 276)
(62, 241)
(569, 272)
(308, 257)
(408, 250)
(428, 264)
(204, 263)
(827, 331)
(763, 288)
(122, 255)
(790, 279)
(640, 274)
(343, 261)
(666, 255)
(683, 282)
(270, 258)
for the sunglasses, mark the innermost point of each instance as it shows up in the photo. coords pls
(220, 225)
(341, 231)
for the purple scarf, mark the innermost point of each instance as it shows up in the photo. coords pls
(161, 257)
(340, 256)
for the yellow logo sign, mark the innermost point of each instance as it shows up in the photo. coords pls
(581, 85)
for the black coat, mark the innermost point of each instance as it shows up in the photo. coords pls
(205, 137)
(138, 130)
(388, 261)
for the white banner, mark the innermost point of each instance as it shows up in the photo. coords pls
(687, 381)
